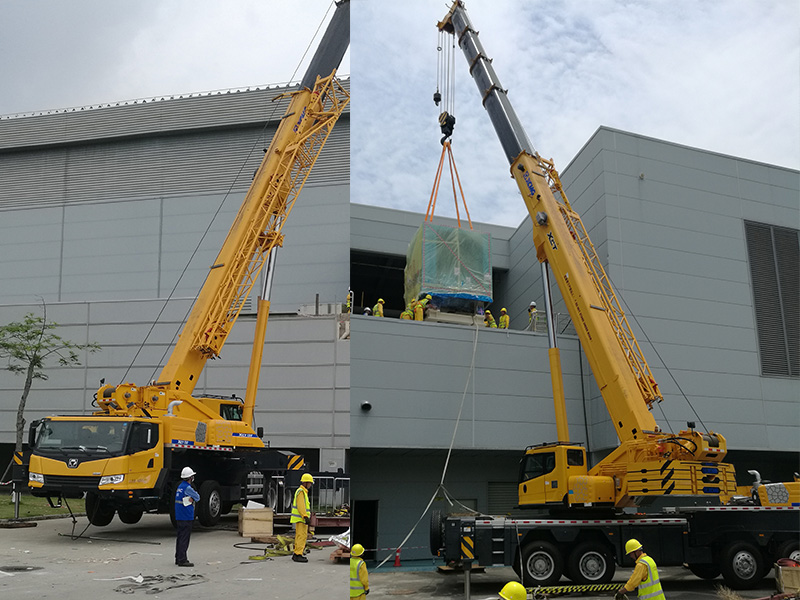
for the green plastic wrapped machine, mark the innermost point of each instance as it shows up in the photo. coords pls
(449, 262)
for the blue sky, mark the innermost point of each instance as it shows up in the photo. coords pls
(718, 75)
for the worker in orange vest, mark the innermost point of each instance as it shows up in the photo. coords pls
(419, 309)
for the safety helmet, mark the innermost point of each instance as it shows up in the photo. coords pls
(502, 310)
(533, 304)
(187, 472)
(487, 312)
(513, 590)
(632, 545)
(357, 550)
(429, 297)
(380, 300)
(307, 478)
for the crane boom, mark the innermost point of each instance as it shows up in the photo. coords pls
(647, 462)
(256, 231)
(612, 351)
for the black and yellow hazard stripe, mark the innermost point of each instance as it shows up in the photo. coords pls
(538, 592)
(18, 457)
(467, 547)
(296, 462)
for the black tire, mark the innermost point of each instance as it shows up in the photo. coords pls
(272, 496)
(790, 549)
(99, 512)
(591, 563)
(542, 564)
(436, 534)
(130, 516)
(742, 565)
(705, 571)
(209, 508)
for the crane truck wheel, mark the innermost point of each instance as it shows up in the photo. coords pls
(436, 533)
(130, 516)
(99, 512)
(209, 508)
(590, 563)
(542, 564)
(742, 565)
(790, 549)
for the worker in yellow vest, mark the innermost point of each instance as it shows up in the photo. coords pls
(377, 310)
(533, 317)
(408, 313)
(301, 517)
(488, 319)
(359, 578)
(645, 574)
(419, 308)
(504, 319)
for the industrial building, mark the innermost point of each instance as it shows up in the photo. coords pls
(703, 250)
(107, 212)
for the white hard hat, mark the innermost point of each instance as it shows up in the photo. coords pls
(187, 472)
(533, 304)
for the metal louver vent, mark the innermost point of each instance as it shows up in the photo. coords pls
(774, 255)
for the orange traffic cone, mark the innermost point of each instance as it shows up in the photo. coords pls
(397, 558)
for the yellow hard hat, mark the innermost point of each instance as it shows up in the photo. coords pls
(357, 550)
(632, 545)
(513, 590)
(380, 300)
(429, 297)
(487, 312)
(502, 310)
(307, 478)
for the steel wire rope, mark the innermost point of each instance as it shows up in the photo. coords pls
(440, 486)
(628, 311)
(211, 222)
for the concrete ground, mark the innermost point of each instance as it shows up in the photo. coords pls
(46, 562)
(678, 584)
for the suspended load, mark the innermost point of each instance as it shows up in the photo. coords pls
(449, 263)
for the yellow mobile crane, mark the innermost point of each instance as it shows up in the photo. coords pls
(127, 457)
(684, 468)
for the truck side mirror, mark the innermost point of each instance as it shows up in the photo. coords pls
(32, 433)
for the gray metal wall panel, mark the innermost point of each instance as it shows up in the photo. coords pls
(301, 371)
(415, 384)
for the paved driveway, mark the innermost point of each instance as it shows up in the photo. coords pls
(46, 562)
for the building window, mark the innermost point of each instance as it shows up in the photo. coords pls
(774, 254)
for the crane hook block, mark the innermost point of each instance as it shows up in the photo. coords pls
(437, 97)
(447, 123)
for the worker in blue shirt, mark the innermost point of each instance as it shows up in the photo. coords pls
(185, 497)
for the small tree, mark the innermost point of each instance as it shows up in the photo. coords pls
(28, 345)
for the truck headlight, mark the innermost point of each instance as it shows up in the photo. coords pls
(37, 477)
(108, 479)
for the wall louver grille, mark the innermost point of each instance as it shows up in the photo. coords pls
(774, 254)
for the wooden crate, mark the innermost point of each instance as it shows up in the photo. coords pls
(788, 579)
(255, 522)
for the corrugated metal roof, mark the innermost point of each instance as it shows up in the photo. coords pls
(146, 117)
(199, 144)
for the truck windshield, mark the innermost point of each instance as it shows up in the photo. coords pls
(85, 436)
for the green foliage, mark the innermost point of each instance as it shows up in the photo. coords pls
(28, 344)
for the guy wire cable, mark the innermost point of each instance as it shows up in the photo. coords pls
(447, 461)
